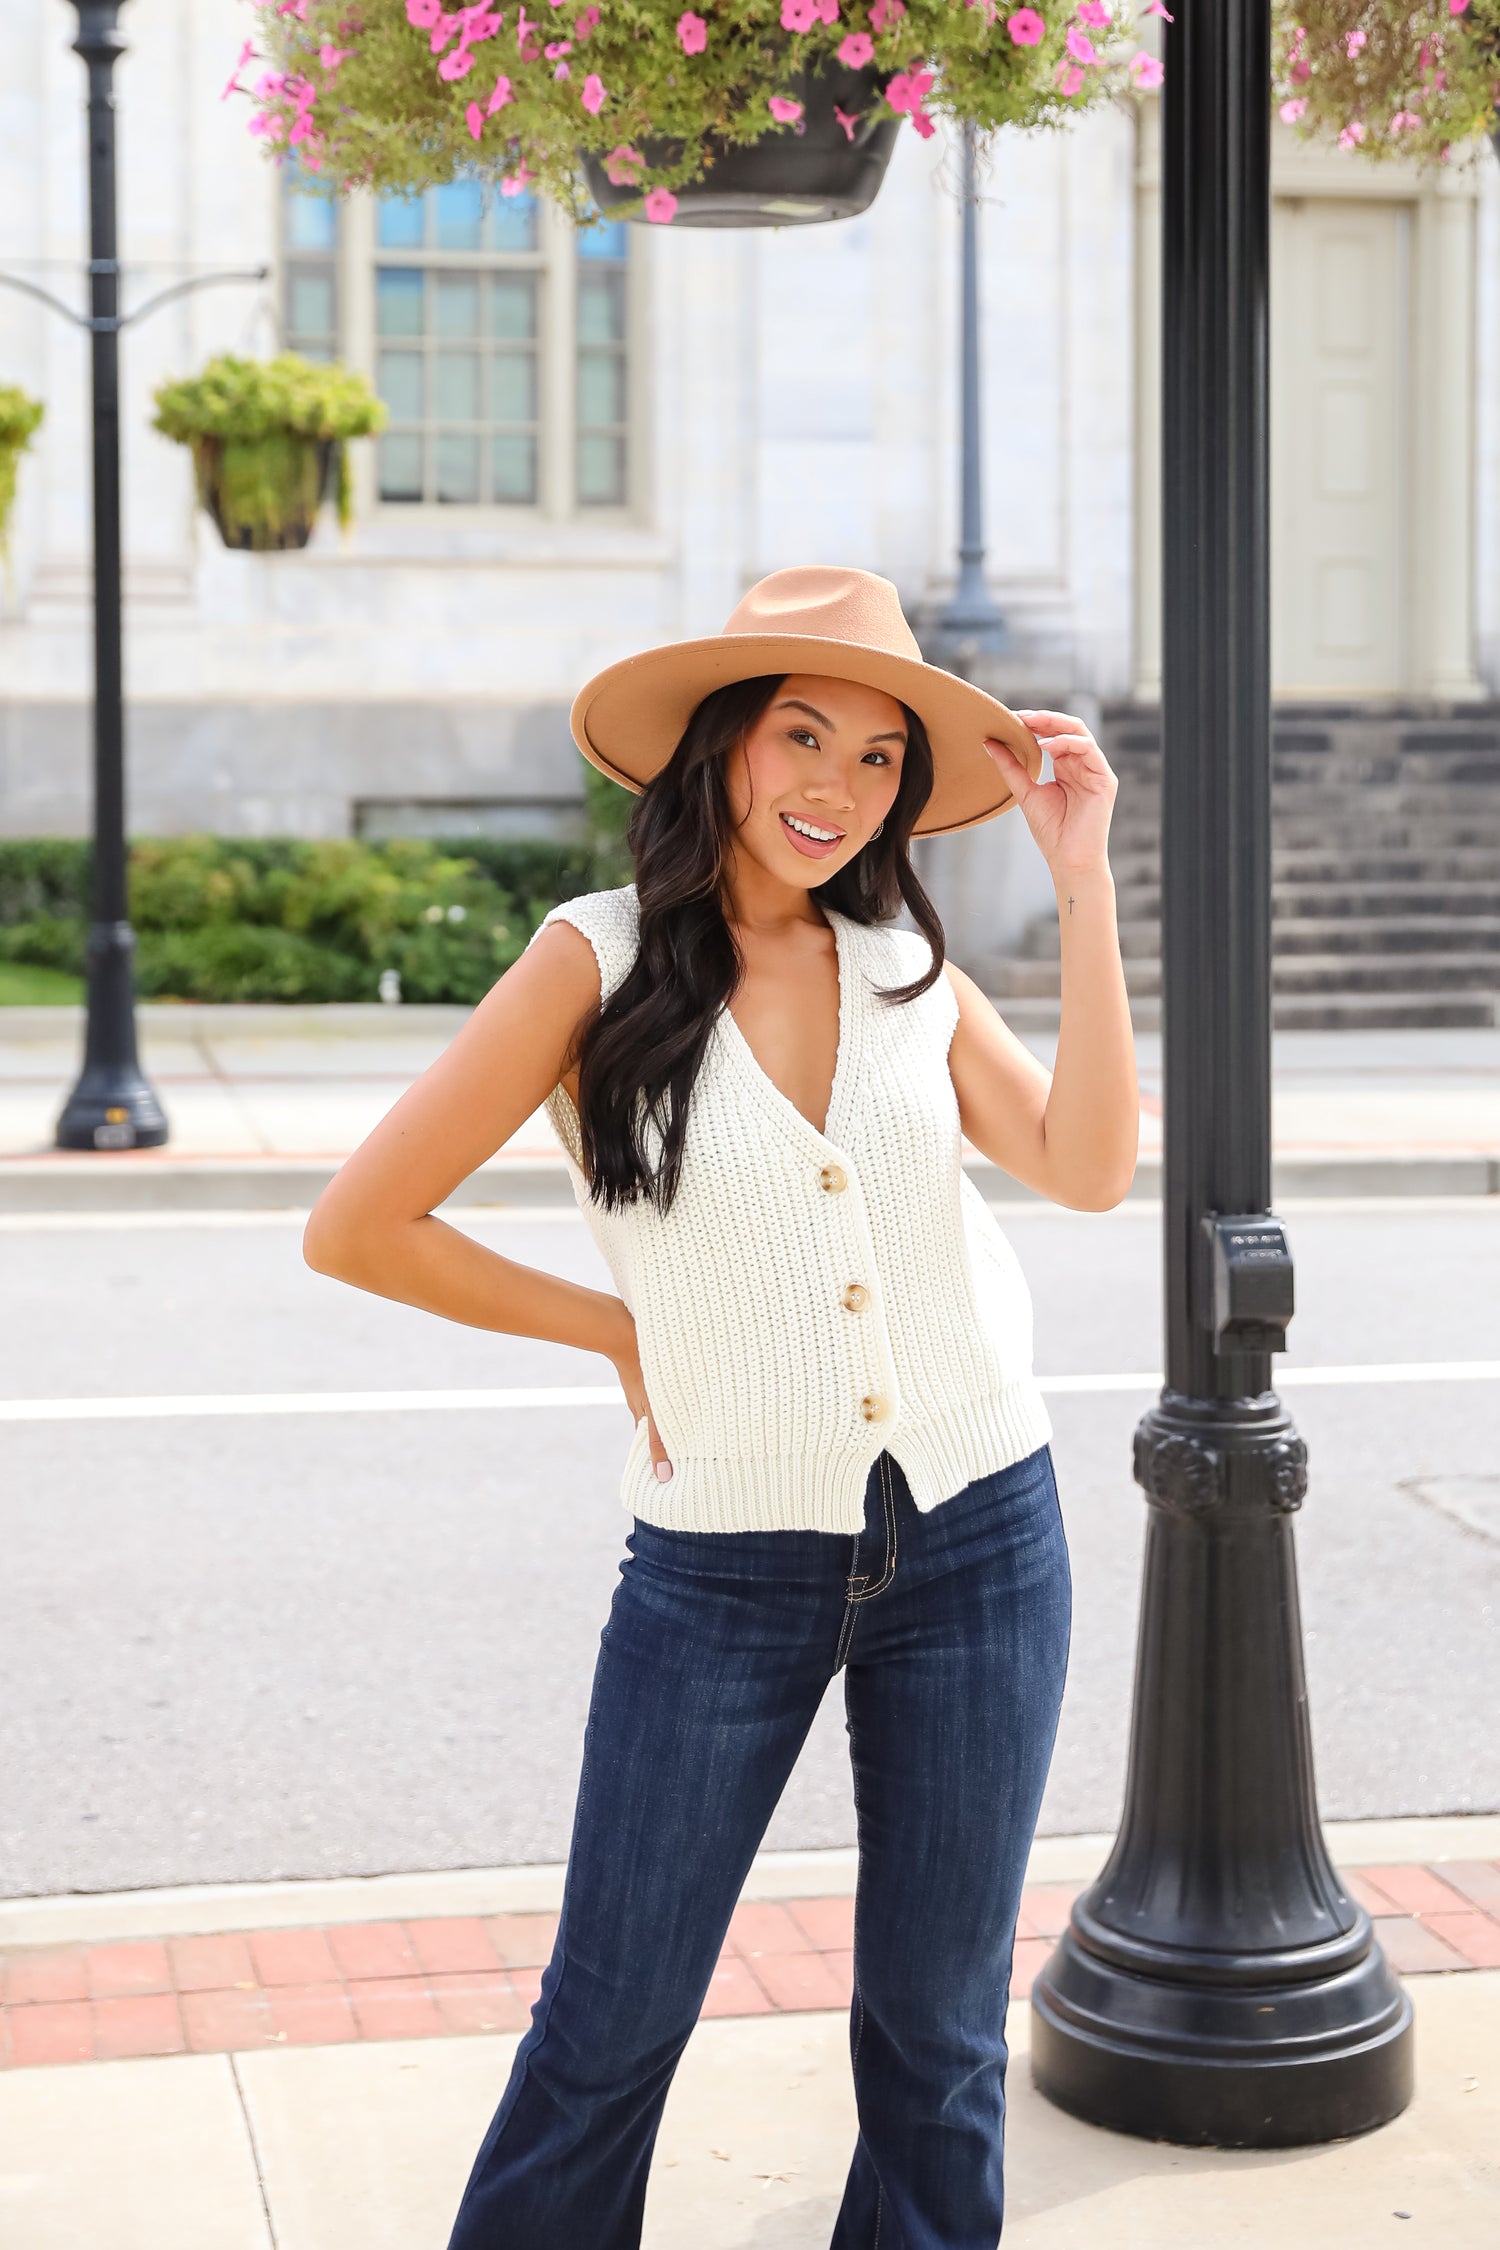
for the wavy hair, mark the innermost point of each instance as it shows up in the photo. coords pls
(640, 1052)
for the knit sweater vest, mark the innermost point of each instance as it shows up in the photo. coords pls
(814, 1297)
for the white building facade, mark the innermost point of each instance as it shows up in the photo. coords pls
(597, 444)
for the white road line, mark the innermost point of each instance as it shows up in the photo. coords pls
(198, 1405)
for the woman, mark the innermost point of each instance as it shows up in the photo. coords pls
(840, 1458)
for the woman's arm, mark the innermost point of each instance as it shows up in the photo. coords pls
(373, 1225)
(1073, 1136)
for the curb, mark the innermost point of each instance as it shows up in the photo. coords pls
(155, 1180)
(202, 1909)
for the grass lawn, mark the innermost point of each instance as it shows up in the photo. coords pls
(23, 987)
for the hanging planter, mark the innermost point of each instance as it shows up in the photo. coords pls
(1410, 78)
(20, 418)
(822, 171)
(652, 110)
(266, 438)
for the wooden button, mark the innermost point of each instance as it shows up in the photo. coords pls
(832, 1178)
(873, 1407)
(856, 1296)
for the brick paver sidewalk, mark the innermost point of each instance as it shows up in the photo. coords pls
(405, 1980)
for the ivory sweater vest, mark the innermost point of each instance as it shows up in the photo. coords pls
(812, 1298)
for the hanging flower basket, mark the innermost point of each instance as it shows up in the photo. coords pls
(660, 111)
(829, 169)
(266, 437)
(20, 417)
(263, 493)
(1410, 78)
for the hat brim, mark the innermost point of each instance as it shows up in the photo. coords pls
(629, 718)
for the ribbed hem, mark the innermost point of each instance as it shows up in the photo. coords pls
(939, 1453)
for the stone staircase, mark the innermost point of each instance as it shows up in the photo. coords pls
(1385, 872)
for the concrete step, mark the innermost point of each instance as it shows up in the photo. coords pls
(1396, 934)
(1317, 864)
(1390, 972)
(1459, 903)
(1385, 1011)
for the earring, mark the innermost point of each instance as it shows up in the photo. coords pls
(875, 831)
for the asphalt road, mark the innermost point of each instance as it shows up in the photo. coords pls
(248, 1646)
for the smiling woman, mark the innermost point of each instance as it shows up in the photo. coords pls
(761, 1069)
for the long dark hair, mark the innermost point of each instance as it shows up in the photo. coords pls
(640, 1053)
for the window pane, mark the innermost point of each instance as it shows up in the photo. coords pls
(513, 222)
(601, 308)
(399, 379)
(398, 222)
(312, 222)
(309, 302)
(513, 460)
(456, 387)
(400, 468)
(458, 304)
(398, 300)
(512, 305)
(460, 208)
(457, 466)
(601, 470)
(512, 387)
(604, 239)
(601, 390)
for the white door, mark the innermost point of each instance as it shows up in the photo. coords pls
(1338, 517)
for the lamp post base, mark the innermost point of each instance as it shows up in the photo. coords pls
(113, 1105)
(1194, 2063)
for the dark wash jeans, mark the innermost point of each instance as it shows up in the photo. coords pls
(952, 1632)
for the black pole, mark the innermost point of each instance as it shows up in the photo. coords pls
(113, 1104)
(1217, 1984)
(972, 623)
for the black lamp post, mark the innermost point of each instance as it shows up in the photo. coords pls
(1217, 1984)
(113, 1104)
(971, 624)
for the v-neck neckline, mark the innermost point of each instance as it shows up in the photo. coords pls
(842, 1063)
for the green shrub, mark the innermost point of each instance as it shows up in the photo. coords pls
(297, 919)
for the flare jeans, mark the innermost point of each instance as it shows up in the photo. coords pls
(951, 1630)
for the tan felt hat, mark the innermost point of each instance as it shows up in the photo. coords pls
(843, 624)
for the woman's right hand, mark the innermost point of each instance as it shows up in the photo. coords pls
(633, 1384)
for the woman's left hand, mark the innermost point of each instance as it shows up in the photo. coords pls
(1069, 815)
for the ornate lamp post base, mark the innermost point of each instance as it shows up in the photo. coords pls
(113, 1104)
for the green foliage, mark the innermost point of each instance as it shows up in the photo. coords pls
(384, 117)
(20, 418)
(284, 918)
(37, 988)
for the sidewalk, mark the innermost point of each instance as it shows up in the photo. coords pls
(265, 1102)
(253, 2081)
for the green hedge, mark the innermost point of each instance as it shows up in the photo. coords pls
(281, 918)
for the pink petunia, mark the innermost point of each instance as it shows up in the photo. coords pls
(784, 111)
(302, 125)
(558, 47)
(1026, 28)
(234, 87)
(1352, 135)
(692, 33)
(1353, 41)
(849, 123)
(1156, 9)
(480, 23)
(624, 165)
(563, 70)
(661, 206)
(1080, 46)
(587, 22)
(593, 96)
(798, 15)
(516, 183)
(504, 92)
(456, 65)
(1293, 111)
(1405, 121)
(885, 13)
(1456, 8)
(269, 84)
(423, 14)
(827, 11)
(857, 50)
(267, 125)
(1146, 71)
(1301, 72)
(1070, 78)
(1094, 12)
(331, 57)
(923, 124)
(908, 90)
(474, 119)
